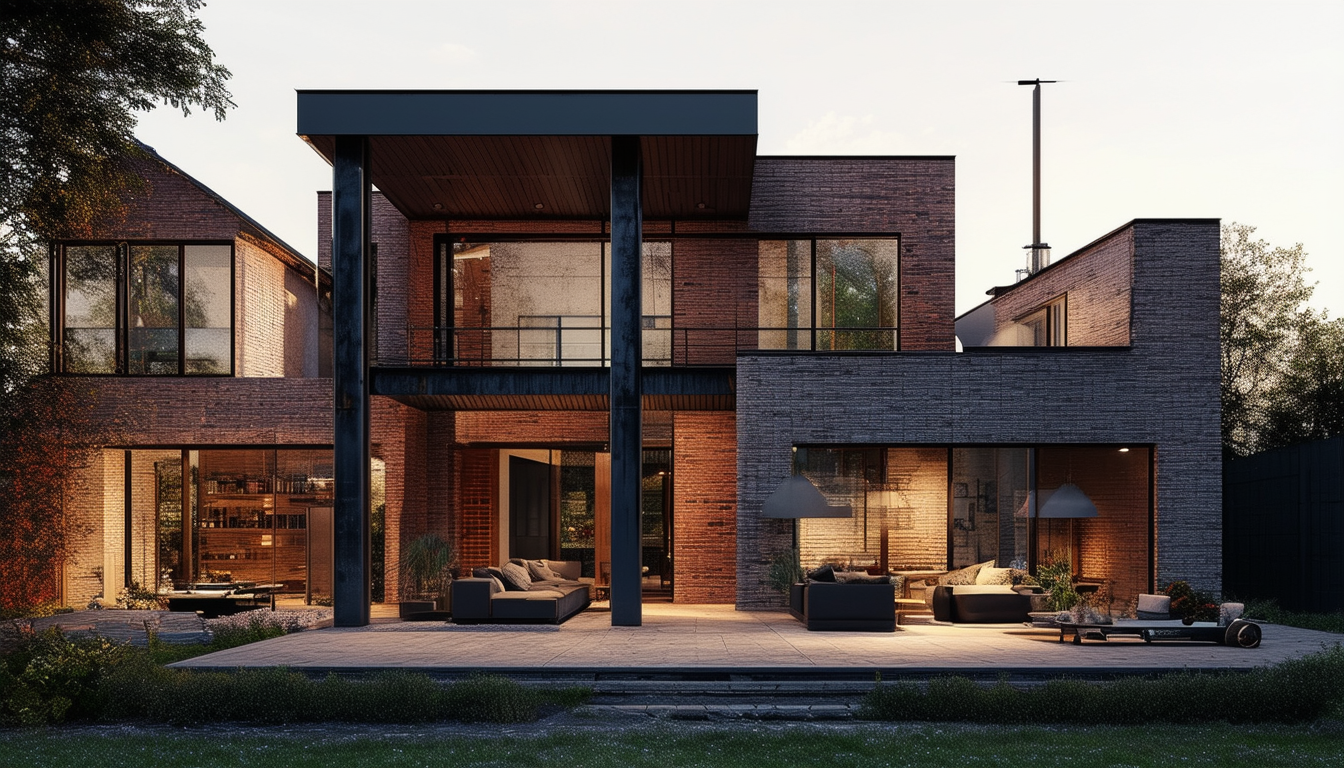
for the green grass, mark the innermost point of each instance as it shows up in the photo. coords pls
(670, 745)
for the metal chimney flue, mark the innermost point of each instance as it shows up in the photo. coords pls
(1040, 251)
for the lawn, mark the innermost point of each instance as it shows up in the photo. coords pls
(593, 744)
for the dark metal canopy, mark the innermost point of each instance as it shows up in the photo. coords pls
(543, 154)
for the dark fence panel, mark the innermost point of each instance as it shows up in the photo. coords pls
(1283, 526)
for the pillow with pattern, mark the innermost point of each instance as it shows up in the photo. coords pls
(991, 575)
(540, 571)
(516, 577)
(964, 576)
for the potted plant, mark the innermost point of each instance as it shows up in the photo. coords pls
(426, 575)
(1056, 578)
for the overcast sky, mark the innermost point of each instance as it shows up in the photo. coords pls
(1232, 110)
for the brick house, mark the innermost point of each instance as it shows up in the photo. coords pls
(597, 326)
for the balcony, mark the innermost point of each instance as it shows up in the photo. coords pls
(580, 341)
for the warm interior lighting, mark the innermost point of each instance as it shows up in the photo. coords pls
(539, 206)
(1124, 450)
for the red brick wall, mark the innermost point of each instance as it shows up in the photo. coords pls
(476, 511)
(910, 196)
(399, 440)
(1097, 280)
(704, 498)
(714, 285)
(213, 411)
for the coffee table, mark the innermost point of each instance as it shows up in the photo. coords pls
(1240, 633)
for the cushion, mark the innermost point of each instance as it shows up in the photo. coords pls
(983, 589)
(480, 573)
(1230, 612)
(1155, 604)
(515, 577)
(496, 586)
(964, 576)
(540, 571)
(824, 573)
(991, 575)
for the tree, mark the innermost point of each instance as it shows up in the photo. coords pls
(1263, 290)
(1308, 403)
(72, 76)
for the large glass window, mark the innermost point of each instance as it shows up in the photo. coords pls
(207, 302)
(918, 509)
(146, 309)
(541, 303)
(839, 294)
(90, 301)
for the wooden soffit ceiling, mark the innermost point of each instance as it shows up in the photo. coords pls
(544, 154)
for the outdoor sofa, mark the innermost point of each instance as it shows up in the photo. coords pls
(980, 604)
(502, 595)
(867, 604)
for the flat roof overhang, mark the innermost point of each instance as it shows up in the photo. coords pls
(501, 154)
(568, 389)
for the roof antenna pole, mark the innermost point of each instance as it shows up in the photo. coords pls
(1040, 252)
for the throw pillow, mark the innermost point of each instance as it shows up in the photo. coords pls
(480, 573)
(990, 575)
(963, 576)
(516, 577)
(540, 571)
(824, 573)
(496, 586)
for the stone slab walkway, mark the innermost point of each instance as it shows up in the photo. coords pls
(720, 643)
(129, 626)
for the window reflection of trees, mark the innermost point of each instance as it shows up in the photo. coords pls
(856, 283)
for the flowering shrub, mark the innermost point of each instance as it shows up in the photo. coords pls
(138, 598)
(251, 626)
(1191, 604)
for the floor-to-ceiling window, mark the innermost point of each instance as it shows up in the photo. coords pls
(541, 302)
(938, 508)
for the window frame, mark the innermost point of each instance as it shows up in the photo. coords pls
(1055, 316)
(57, 294)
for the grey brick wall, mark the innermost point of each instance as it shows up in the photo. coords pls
(1162, 390)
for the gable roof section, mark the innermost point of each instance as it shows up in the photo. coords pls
(248, 227)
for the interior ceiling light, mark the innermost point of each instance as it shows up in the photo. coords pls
(701, 206)
(1124, 450)
(438, 206)
(539, 206)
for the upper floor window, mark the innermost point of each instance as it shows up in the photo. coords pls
(1046, 326)
(829, 294)
(144, 309)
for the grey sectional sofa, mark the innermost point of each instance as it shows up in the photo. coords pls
(485, 599)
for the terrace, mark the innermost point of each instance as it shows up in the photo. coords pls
(716, 642)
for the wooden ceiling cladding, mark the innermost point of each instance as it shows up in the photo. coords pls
(505, 177)
(561, 402)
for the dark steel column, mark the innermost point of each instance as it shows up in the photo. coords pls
(627, 448)
(350, 205)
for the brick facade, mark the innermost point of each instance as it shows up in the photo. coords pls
(1161, 391)
(910, 196)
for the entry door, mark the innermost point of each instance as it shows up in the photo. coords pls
(529, 508)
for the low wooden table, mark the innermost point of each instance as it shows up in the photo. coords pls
(1240, 633)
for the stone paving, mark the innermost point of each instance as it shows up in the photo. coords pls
(686, 640)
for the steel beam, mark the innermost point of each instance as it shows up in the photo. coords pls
(350, 220)
(627, 445)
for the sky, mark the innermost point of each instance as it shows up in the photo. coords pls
(1230, 110)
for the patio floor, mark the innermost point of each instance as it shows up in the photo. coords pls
(704, 641)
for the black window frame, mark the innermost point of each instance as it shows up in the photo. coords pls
(56, 302)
